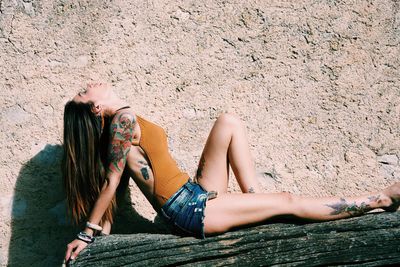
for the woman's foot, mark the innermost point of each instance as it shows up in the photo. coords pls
(393, 192)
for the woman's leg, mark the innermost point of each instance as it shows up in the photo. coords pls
(233, 210)
(227, 144)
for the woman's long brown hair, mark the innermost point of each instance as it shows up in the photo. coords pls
(84, 157)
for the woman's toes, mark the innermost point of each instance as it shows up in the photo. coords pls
(393, 192)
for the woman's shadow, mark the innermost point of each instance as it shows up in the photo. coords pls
(40, 227)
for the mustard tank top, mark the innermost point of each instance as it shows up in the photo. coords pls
(168, 178)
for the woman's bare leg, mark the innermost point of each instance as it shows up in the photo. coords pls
(233, 210)
(227, 144)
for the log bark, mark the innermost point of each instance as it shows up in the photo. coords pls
(369, 240)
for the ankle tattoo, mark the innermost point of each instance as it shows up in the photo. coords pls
(352, 208)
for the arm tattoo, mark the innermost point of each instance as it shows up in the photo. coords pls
(145, 173)
(199, 172)
(352, 208)
(251, 190)
(144, 170)
(121, 140)
(143, 162)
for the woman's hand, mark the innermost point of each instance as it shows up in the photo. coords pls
(74, 248)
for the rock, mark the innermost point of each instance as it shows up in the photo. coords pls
(59, 211)
(16, 115)
(388, 159)
(347, 241)
(18, 208)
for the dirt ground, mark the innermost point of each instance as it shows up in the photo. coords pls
(316, 83)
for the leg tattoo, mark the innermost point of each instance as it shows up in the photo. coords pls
(352, 208)
(200, 168)
(374, 198)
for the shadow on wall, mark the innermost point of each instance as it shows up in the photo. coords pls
(40, 226)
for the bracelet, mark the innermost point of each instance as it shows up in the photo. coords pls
(93, 226)
(85, 237)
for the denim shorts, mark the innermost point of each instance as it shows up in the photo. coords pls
(185, 209)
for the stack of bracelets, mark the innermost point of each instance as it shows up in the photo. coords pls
(88, 238)
(85, 237)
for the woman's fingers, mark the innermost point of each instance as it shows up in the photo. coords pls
(78, 249)
(74, 248)
(69, 251)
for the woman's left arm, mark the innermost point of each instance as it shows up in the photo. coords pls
(121, 130)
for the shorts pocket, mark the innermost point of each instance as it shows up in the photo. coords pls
(174, 208)
(182, 200)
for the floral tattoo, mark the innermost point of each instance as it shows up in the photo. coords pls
(121, 129)
(352, 208)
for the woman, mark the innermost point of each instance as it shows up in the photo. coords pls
(104, 139)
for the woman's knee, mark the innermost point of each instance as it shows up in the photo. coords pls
(230, 120)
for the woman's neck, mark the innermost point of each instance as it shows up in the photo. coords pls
(111, 108)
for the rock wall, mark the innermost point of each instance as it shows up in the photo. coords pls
(315, 81)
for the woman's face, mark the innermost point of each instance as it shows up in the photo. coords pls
(94, 92)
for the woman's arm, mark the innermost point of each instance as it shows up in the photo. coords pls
(121, 130)
(106, 227)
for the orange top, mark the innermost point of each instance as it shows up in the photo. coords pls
(168, 178)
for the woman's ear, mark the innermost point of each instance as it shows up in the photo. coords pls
(97, 108)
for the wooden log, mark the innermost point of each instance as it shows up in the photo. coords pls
(370, 240)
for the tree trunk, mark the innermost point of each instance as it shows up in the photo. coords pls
(369, 240)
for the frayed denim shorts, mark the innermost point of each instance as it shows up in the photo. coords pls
(185, 209)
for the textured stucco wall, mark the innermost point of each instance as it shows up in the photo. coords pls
(316, 82)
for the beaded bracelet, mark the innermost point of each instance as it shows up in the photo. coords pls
(85, 237)
(93, 226)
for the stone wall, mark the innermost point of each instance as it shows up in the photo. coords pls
(315, 81)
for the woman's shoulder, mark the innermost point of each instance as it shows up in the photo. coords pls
(125, 112)
(126, 116)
